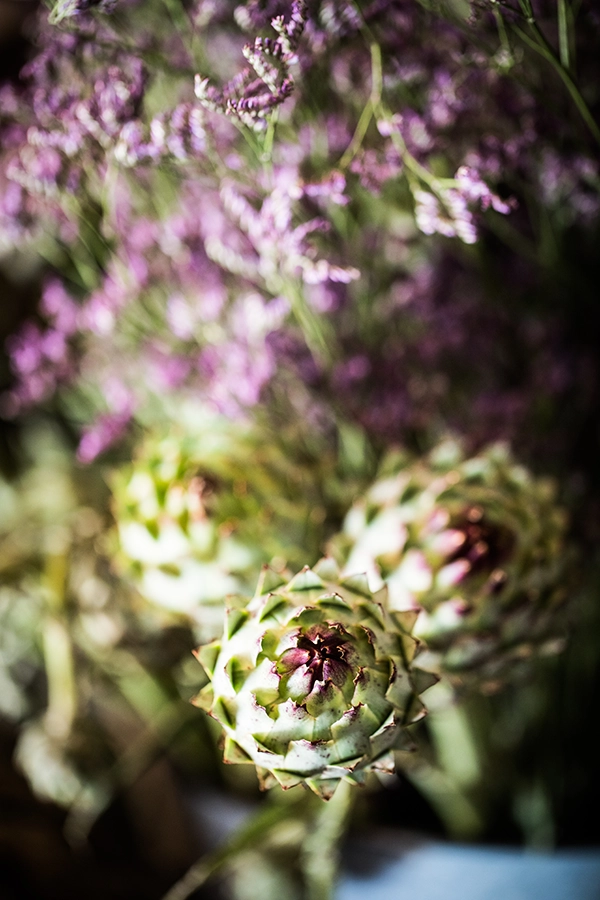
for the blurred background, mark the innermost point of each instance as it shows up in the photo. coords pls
(153, 458)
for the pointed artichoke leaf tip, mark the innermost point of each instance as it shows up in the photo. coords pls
(334, 602)
(233, 753)
(382, 597)
(237, 671)
(324, 788)
(423, 680)
(305, 580)
(405, 619)
(287, 780)
(272, 604)
(266, 779)
(224, 711)
(205, 699)
(385, 764)
(327, 569)
(374, 613)
(269, 581)
(357, 584)
(415, 712)
(207, 656)
(359, 777)
(236, 601)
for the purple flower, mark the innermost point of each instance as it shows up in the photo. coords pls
(105, 431)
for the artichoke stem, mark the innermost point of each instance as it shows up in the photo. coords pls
(320, 849)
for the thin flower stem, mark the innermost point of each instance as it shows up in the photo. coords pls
(358, 136)
(131, 765)
(182, 24)
(415, 172)
(369, 110)
(539, 43)
(247, 836)
(269, 140)
(375, 107)
(318, 336)
(502, 32)
(563, 35)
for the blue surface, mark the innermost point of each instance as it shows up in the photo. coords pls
(435, 872)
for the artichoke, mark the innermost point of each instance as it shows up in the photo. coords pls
(198, 513)
(173, 551)
(311, 681)
(476, 546)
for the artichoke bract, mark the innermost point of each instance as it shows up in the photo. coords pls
(311, 682)
(476, 546)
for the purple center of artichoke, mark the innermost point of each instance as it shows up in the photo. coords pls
(324, 653)
(485, 545)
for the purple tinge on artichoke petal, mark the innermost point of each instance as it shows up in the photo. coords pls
(314, 683)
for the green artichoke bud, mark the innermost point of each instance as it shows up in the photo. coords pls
(311, 682)
(174, 551)
(199, 512)
(476, 546)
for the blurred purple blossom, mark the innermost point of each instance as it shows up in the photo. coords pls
(205, 238)
(105, 431)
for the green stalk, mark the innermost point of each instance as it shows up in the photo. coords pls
(320, 849)
(58, 653)
(316, 330)
(129, 766)
(358, 136)
(270, 137)
(247, 837)
(460, 817)
(181, 22)
(368, 112)
(541, 46)
(563, 35)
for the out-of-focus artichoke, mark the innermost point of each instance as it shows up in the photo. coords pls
(476, 545)
(200, 511)
(311, 681)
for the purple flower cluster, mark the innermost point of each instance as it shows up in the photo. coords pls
(253, 94)
(439, 354)
(58, 120)
(41, 358)
(279, 249)
(446, 100)
(179, 134)
(66, 8)
(450, 211)
(218, 222)
(164, 318)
